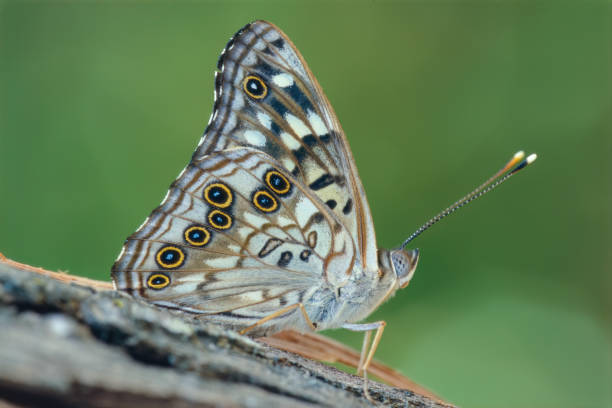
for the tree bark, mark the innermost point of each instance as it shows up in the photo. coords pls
(68, 345)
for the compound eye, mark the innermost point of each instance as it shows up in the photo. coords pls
(255, 87)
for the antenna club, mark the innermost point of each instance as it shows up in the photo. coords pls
(531, 158)
(518, 156)
(524, 163)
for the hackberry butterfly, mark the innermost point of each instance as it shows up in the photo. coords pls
(268, 227)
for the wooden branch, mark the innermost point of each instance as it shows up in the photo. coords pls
(70, 341)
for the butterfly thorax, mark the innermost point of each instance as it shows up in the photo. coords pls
(331, 307)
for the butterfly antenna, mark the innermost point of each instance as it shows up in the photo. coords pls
(495, 180)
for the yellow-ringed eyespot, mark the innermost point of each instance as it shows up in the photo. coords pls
(197, 236)
(219, 195)
(277, 182)
(265, 201)
(170, 257)
(255, 87)
(158, 281)
(219, 220)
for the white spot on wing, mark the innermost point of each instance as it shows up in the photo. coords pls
(288, 163)
(222, 262)
(297, 125)
(304, 210)
(255, 138)
(264, 119)
(317, 123)
(283, 80)
(290, 141)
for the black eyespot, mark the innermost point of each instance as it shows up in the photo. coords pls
(305, 254)
(219, 220)
(255, 87)
(158, 281)
(277, 182)
(170, 257)
(278, 43)
(348, 206)
(284, 259)
(219, 195)
(197, 236)
(265, 201)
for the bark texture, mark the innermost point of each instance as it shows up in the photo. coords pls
(67, 345)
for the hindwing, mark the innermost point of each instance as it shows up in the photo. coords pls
(228, 238)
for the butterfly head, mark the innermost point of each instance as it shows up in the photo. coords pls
(400, 262)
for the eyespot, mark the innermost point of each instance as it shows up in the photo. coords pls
(255, 87)
(197, 236)
(170, 257)
(158, 281)
(305, 254)
(277, 182)
(264, 201)
(219, 220)
(219, 195)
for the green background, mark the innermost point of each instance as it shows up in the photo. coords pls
(102, 104)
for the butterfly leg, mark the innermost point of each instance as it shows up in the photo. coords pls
(366, 357)
(279, 313)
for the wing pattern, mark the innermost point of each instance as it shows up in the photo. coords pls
(253, 262)
(269, 210)
(293, 123)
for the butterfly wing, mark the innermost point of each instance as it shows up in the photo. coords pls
(237, 237)
(266, 98)
(269, 212)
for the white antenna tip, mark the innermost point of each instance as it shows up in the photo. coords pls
(531, 158)
(519, 155)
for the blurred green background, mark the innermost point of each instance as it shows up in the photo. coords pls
(102, 104)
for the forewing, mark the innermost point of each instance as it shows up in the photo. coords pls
(287, 116)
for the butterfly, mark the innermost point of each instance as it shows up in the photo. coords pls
(268, 227)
